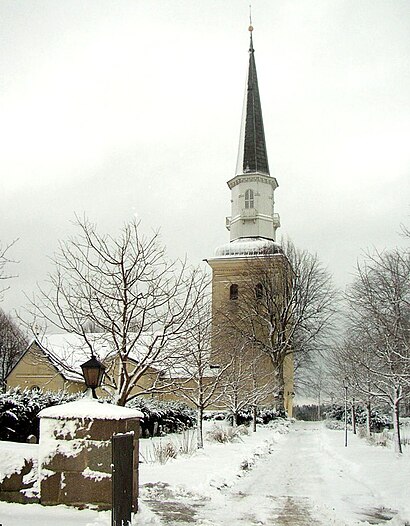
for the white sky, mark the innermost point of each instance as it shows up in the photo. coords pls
(116, 108)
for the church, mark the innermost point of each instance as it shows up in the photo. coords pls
(250, 279)
(251, 266)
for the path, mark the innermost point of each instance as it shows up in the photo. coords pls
(305, 481)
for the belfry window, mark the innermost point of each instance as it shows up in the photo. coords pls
(233, 291)
(249, 199)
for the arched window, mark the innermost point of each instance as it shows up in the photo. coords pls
(258, 291)
(249, 199)
(233, 291)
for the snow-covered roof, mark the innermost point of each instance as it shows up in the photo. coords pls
(67, 351)
(90, 408)
(248, 246)
(184, 372)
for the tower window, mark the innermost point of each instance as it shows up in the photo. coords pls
(249, 199)
(258, 291)
(233, 291)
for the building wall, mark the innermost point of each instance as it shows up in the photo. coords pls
(35, 370)
(235, 270)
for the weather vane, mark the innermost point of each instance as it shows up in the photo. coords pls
(250, 18)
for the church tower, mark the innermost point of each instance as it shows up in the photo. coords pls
(252, 226)
(252, 188)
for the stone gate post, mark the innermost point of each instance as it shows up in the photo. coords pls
(76, 454)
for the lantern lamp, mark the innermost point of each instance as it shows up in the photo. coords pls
(93, 372)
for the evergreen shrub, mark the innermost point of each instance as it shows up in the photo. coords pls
(378, 419)
(264, 415)
(19, 410)
(162, 417)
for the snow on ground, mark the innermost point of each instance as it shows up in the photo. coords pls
(12, 456)
(303, 478)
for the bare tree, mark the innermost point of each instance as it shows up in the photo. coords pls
(129, 292)
(248, 383)
(316, 380)
(12, 345)
(377, 351)
(201, 381)
(351, 363)
(5, 260)
(286, 308)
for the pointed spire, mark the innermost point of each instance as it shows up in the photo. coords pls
(252, 156)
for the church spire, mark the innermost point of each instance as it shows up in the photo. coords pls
(252, 188)
(252, 155)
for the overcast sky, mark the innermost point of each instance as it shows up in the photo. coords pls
(120, 107)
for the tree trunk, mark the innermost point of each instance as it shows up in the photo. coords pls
(235, 418)
(353, 417)
(199, 429)
(254, 414)
(396, 421)
(280, 397)
(122, 399)
(368, 419)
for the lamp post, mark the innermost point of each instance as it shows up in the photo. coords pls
(354, 416)
(93, 372)
(345, 384)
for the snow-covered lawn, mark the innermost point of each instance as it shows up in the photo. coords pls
(304, 477)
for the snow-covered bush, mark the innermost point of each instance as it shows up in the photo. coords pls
(361, 431)
(381, 439)
(186, 442)
(243, 430)
(335, 424)
(379, 420)
(224, 434)
(19, 410)
(161, 417)
(245, 416)
(160, 452)
(215, 415)
(334, 412)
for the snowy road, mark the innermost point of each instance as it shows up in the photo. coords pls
(308, 479)
(305, 477)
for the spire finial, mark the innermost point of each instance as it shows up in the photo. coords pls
(250, 29)
(252, 155)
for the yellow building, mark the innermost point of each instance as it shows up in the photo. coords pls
(52, 362)
(237, 286)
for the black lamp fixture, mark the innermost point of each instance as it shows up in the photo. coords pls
(93, 372)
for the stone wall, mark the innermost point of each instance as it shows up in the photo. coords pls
(76, 457)
(18, 475)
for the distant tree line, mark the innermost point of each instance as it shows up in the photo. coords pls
(12, 340)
